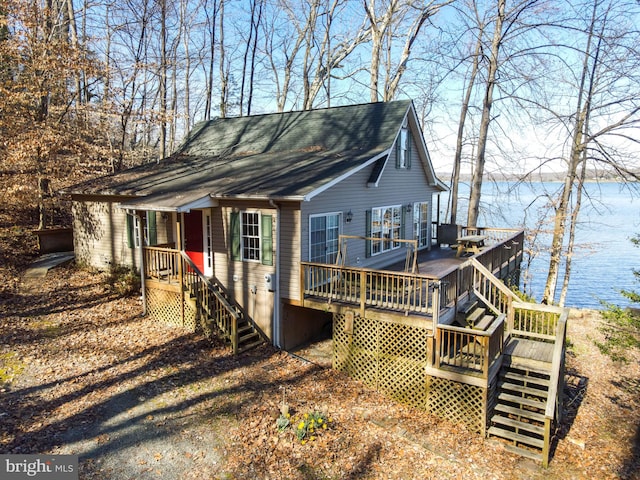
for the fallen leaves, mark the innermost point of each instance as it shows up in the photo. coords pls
(132, 396)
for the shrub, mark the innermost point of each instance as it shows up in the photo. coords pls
(123, 281)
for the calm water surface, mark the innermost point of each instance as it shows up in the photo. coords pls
(604, 256)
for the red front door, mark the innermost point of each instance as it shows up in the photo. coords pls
(193, 238)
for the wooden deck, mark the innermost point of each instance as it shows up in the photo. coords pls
(435, 262)
(530, 353)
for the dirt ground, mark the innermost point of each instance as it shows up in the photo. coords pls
(81, 372)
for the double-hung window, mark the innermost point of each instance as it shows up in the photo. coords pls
(251, 237)
(421, 223)
(385, 228)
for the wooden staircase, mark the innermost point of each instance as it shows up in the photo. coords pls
(224, 316)
(475, 315)
(248, 334)
(518, 416)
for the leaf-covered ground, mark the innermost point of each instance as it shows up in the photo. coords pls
(81, 372)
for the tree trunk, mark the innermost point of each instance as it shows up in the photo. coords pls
(163, 80)
(478, 171)
(224, 74)
(572, 236)
(211, 22)
(457, 161)
(578, 147)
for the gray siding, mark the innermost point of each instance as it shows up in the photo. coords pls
(245, 280)
(290, 252)
(396, 187)
(100, 236)
(100, 233)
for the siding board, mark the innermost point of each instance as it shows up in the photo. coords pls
(397, 186)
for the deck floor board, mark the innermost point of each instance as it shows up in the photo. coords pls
(530, 349)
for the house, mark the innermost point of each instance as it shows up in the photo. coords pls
(249, 198)
(271, 227)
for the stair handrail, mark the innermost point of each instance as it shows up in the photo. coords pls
(232, 309)
(511, 297)
(492, 278)
(554, 398)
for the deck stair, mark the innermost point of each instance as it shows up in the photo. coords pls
(248, 334)
(475, 315)
(518, 416)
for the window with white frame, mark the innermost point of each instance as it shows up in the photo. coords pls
(404, 135)
(386, 227)
(250, 236)
(421, 223)
(324, 234)
(149, 230)
(208, 238)
(403, 148)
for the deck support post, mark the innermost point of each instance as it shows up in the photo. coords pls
(143, 273)
(363, 292)
(180, 272)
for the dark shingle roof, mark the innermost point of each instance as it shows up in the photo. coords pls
(276, 155)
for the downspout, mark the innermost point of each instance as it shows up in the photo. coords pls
(277, 330)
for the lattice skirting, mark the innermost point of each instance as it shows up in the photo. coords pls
(392, 358)
(457, 402)
(388, 356)
(164, 306)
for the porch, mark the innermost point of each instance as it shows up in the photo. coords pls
(429, 285)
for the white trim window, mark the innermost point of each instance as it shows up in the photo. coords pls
(148, 226)
(208, 243)
(421, 223)
(386, 226)
(324, 235)
(250, 236)
(403, 148)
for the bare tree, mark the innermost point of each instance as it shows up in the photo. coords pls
(211, 15)
(470, 81)
(487, 102)
(304, 60)
(390, 20)
(607, 87)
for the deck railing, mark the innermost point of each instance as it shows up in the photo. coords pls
(553, 411)
(491, 290)
(538, 322)
(409, 292)
(471, 351)
(162, 264)
(171, 267)
(383, 289)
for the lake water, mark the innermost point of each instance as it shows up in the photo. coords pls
(604, 256)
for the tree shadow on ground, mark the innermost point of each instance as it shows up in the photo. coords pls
(631, 386)
(361, 469)
(575, 389)
(173, 368)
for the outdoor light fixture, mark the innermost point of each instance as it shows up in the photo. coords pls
(348, 216)
(409, 207)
